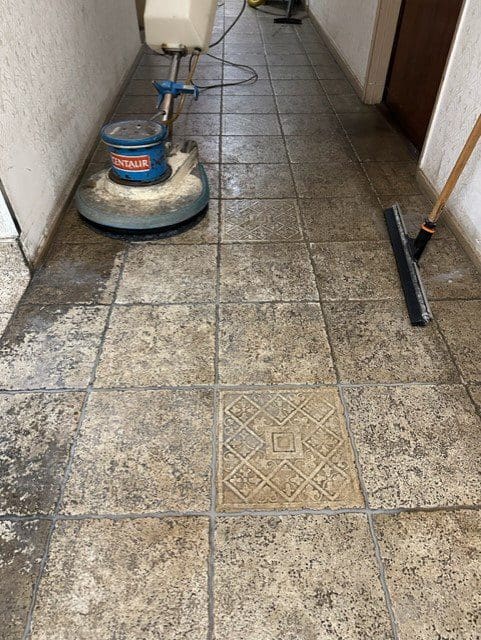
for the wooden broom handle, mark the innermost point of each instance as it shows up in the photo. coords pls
(457, 171)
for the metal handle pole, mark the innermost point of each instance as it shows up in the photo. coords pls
(167, 106)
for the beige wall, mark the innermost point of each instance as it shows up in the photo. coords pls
(62, 63)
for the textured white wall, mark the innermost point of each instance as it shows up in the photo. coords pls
(350, 25)
(7, 226)
(459, 104)
(61, 65)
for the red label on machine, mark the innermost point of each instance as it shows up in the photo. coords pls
(131, 163)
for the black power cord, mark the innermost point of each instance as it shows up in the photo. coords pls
(241, 12)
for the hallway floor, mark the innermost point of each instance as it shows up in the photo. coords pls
(235, 433)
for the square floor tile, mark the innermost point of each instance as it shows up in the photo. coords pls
(302, 577)
(343, 219)
(321, 148)
(249, 125)
(290, 72)
(433, 570)
(156, 273)
(375, 342)
(50, 347)
(207, 103)
(303, 104)
(259, 88)
(330, 180)
(307, 124)
(257, 181)
(198, 124)
(356, 271)
(14, 275)
(209, 147)
(270, 149)
(349, 103)
(337, 87)
(253, 104)
(297, 87)
(154, 346)
(22, 546)
(265, 272)
(274, 344)
(78, 274)
(141, 452)
(393, 178)
(382, 146)
(73, 229)
(460, 324)
(417, 446)
(285, 450)
(37, 433)
(260, 221)
(138, 579)
(447, 272)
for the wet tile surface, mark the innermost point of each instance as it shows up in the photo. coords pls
(141, 452)
(134, 578)
(375, 342)
(274, 344)
(257, 181)
(316, 576)
(37, 433)
(50, 347)
(260, 221)
(329, 180)
(176, 273)
(262, 149)
(285, 449)
(266, 272)
(441, 554)
(408, 455)
(164, 345)
(22, 546)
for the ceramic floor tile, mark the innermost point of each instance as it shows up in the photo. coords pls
(37, 433)
(375, 342)
(198, 124)
(257, 181)
(330, 180)
(78, 274)
(213, 176)
(319, 148)
(22, 547)
(283, 59)
(264, 272)
(303, 577)
(433, 569)
(448, 273)
(290, 72)
(475, 392)
(297, 87)
(209, 149)
(164, 345)
(14, 276)
(261, 149)
(383, 146)
(285, 450)
(343, 219)
(337, 87)
(73, 229)
(254, 104)
(274, 344)
(51, 347)
(328, 71)
(460, 325)
(259, 88)
(356, 271)
(303, 104)
(307, 124)
(249, 125)
(415, 209)
(260, 221)
(141, 452)
(156, 273)
(417, 446)
(138, 579)
(349, 103)
(393, 178)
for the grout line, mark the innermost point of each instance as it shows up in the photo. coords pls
(88, 391)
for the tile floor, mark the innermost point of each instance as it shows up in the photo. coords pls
(235, 433)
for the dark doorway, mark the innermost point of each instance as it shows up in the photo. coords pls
(425, 32)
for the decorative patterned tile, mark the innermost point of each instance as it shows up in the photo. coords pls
(142, 451)
(138, 579)
(164, 345)
(298, 578)
(260, 221)
(257, 181)
(433, 570)
(22, 546)
(238, 149)
(50, 347)
(285, 450)
(37, 433)
(283, 343)
(266, 272)
(418, 446)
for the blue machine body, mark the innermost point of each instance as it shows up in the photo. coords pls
(137, 150)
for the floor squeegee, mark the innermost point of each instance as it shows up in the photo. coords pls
(408, 251)
(151, 183)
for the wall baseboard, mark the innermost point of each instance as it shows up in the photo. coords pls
(66, 197)
(337, 55)
(458, 230)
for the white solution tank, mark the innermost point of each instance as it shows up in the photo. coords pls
(179, 23)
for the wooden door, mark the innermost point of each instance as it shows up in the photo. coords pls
(425, 32)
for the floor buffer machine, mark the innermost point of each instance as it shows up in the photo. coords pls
(151, 183)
